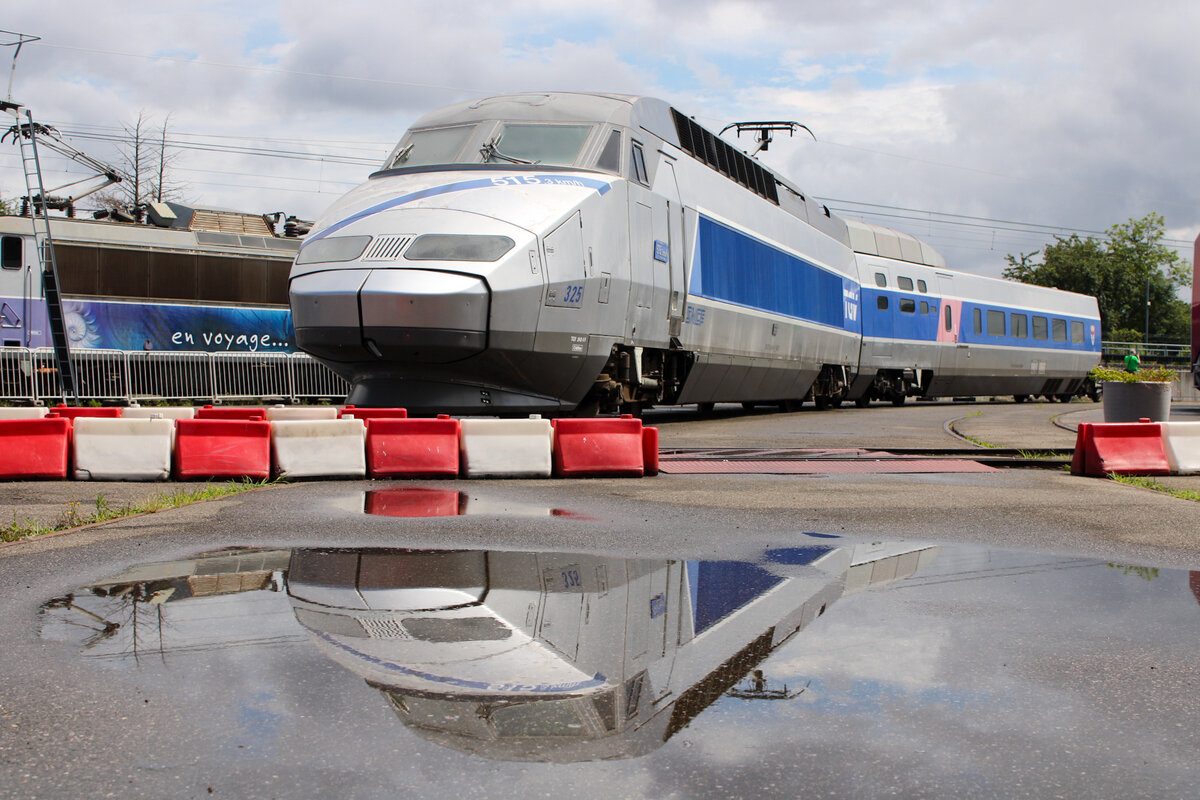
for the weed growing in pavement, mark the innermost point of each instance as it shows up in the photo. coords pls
(72, 518)
(1150, 483)
(1037, 455)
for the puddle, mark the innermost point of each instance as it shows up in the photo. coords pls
(855, 669)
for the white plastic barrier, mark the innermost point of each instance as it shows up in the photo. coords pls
(290, 413)
(323, 448)
(1181, 440)
(505, 447)
(114, 449)
(158, 412)
(22, 412)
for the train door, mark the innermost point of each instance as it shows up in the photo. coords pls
(649, 267)
(676, 248)
(15, 288)
(883, 327)
(652, 623)
(953, 353)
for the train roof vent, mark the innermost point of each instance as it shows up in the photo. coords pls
(386, 248)
(229, 222)
(714, 151)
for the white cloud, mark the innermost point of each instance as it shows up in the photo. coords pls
(1074, 114)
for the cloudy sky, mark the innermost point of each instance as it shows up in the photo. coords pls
(981, 127)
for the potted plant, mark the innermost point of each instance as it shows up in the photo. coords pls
(1130, 396)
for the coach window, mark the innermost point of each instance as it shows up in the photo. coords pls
(949, 318)
(10, 252)
(639, 165)
(881, 302)
(905, 283)
(610, 157)
(1020, 326)
(995, 323)
(924, 306)
(978, 321)
(1058, 329)
(921, 287)
(1039, 328)
(908, 306)
(1076, 332)
(880, 279)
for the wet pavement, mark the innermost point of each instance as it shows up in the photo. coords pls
(1013, 633)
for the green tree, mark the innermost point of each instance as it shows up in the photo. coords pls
(1119, 272)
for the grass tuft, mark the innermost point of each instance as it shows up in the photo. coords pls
(1150, 483)
(74, 517)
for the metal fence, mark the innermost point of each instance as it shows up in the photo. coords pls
(117, 375)
(1166, 353)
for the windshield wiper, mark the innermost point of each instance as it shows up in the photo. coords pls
(489, 151)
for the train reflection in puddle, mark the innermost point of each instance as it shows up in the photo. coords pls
(567, 657)
(516, 655)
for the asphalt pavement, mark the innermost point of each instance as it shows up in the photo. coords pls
(1046, 649)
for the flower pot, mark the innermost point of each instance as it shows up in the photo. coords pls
(1129, 402)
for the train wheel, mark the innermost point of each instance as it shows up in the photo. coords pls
(634, 409)
(1063, 398)
(705, 408)
(863, 402)
(748, 406)
(1020, 398)
(898, 400)
(821, 401)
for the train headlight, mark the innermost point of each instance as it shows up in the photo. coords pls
(458, 247)
(333, 248)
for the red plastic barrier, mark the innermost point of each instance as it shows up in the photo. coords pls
(373, 413)
(650, 450)
(222, 448)
(1083, 436)
(413, 503)
(590, 448)
(75, 412)
(34, 448)
(412, 448)
(1126, 448)
(231, 412)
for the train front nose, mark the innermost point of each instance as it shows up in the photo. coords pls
(399, 315)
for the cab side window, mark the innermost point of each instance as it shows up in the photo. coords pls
(609, 159)
(10, 252)
(639, 165)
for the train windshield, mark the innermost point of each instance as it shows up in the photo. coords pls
(536, 143)
(431, 146)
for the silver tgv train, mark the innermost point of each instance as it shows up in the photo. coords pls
(556, 252)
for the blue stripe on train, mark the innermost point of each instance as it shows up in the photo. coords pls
(733, 267)
(921, 324)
